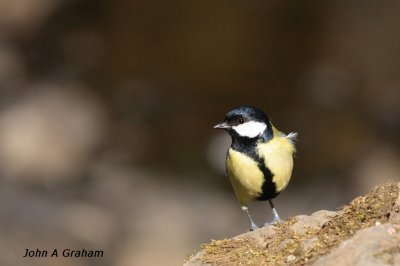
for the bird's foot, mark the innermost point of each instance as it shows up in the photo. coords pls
(253, 227)
(276, 220)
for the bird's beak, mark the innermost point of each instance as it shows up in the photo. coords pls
(222, 125)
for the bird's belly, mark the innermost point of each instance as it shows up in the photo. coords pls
(246, 178)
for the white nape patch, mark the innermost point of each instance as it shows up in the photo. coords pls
(250, 129)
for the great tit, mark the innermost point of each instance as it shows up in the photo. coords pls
(259, 161)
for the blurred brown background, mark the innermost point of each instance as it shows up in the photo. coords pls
(107, 108)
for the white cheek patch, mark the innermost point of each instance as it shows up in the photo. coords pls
(250, 129)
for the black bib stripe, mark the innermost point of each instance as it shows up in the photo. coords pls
(248, 147)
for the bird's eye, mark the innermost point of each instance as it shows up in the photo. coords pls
(241, 120)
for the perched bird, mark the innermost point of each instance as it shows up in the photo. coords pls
(260, 160)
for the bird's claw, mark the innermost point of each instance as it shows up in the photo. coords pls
(275, 221)
(253, 227)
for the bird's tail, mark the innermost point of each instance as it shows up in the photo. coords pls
(292, 136)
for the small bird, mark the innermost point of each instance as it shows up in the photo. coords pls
(259, 161)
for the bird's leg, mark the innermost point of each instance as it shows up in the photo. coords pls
(276, 218)
(252, 223)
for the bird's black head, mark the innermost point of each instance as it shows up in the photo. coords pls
(247, 122)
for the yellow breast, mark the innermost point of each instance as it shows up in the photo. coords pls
(278, 157)
(245, 176)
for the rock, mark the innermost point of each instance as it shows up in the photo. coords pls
(395, 213)
(368, 247)
(262, 235)
(315, 221)
(309, 245)
(290, 258)
(365, 232)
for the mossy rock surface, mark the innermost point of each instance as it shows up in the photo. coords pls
(307, 240)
